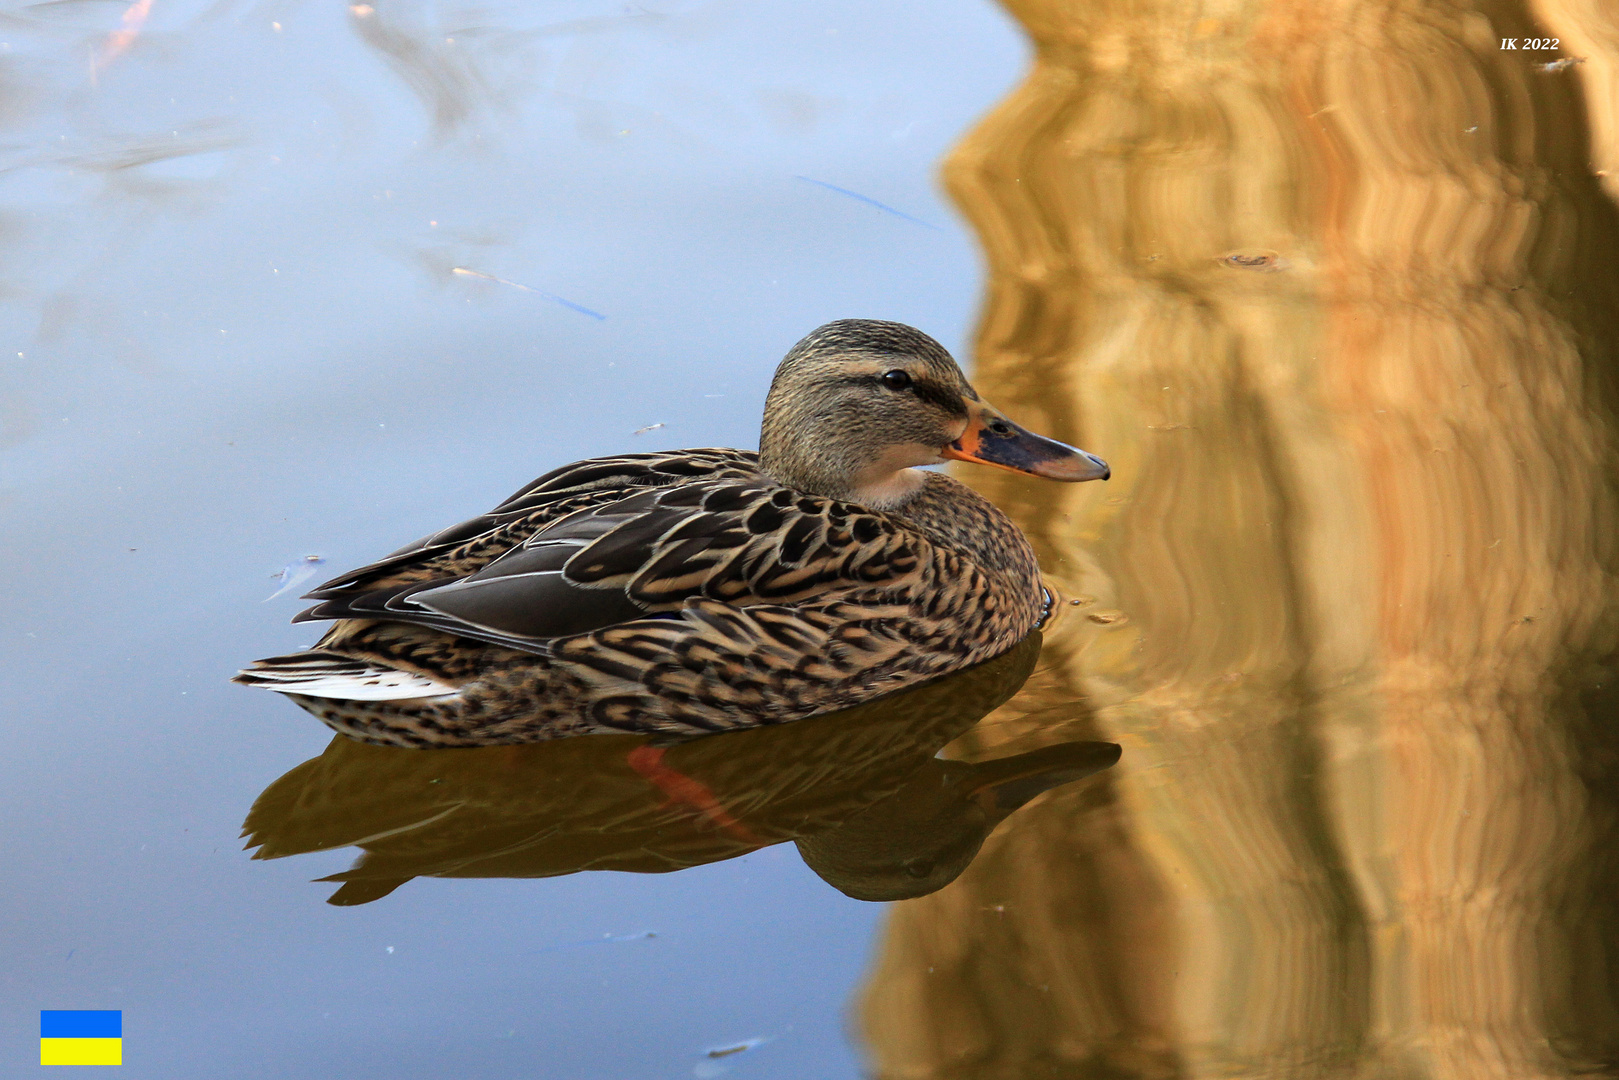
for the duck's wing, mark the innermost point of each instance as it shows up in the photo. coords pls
(463, 549)
(741, 543)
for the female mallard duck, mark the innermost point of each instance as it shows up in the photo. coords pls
(698, 591)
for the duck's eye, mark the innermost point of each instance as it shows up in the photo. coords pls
(897, 380)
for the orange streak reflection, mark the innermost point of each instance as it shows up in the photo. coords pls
(120, 40)
(684, 791)
(1332, 288)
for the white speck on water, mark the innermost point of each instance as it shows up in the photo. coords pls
(390, 950)
(638, 935)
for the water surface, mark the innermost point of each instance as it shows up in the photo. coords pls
(1332, 289)
(235, 339)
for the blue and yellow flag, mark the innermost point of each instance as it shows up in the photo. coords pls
(81, 1037)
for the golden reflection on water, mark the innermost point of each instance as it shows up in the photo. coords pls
(872, 810)
(1333, 288)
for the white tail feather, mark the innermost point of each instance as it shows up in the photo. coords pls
(328, 676)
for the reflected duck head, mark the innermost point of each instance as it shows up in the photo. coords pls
(920, 839)
(859, 403)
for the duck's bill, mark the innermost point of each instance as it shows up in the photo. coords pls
(991, 439)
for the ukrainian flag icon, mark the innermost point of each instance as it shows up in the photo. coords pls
(81, 1037)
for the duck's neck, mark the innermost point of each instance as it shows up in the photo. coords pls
(890, 492)
(886, 482)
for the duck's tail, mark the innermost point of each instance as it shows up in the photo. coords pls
(320, 674)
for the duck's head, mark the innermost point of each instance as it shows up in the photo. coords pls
(857, 404)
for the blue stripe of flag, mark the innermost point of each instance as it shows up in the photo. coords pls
(81, 1023)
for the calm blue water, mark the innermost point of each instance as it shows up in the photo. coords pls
(1331, 287)
(233, 338)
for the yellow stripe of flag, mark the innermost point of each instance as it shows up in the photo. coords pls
(81, 1051)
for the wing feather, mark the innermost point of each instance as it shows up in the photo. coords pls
(651, 557)
(464, 548)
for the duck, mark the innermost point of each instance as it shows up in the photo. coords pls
(698, 591)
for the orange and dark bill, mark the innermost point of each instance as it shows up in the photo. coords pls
(992, 439)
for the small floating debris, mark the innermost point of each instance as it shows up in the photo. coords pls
(649, 427)
(714, 1061)
(1266, 262)
(737, 1048)
(1106, 618)
(884, 207)
(294, 574)
(1564, 64)
(569, 304)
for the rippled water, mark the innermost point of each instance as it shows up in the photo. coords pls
(1332, 287)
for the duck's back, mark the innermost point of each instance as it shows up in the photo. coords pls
(466, 548)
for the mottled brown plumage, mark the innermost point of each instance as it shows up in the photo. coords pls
(702, 590)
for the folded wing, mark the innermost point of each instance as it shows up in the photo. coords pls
(742, 543)
(463, 549)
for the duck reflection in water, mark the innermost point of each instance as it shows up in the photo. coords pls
(698, 591)
(872, 810)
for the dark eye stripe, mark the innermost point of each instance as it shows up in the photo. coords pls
(946, 399)
(949, 400)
